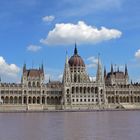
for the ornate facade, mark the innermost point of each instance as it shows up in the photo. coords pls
(75, 91)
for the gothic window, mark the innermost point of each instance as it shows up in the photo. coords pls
(101, 91)
(80, 89)
(43, 100)
(38, 100)
(25, 100)
(79, 78)
(92, 89)
(84, 89)
(75, 78)
(24, 91)
(96, 89)
(33, 84)
(109, 100)
(77, 90)
(38, 84)
(117, 99)
(29, 84)
(127, 99)
(88, 89)
(72, 89)
(112, 99)
(67, 91)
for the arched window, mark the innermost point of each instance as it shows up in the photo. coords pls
(29, 100)
(24, 91)
(72, 89)
(34, 100)
(80, 89)
(29, 84)
(117, 100)
(96, 89)
(43, 100)
(101, 91)
(38, 84)
(33, 84)
(75, 78)
(92, 89)
(109, 100)
(79, 78)
(25, 100)
(77, 90)
(127, 99)
(68, 91)
(84, 89)
(88, 89)
(38, 100)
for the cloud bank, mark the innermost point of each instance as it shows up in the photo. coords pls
(48, 18)
(8, 71)
(68, 33)
(137, 54)
(92, 62)
(34, 48)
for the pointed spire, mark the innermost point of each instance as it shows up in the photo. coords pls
(111, 69)
(42, 67)
(49, 79)
(126, 71)
(24, 67)
(75, 50)
(66, 74)
(67, 59)
(99, 77)
(104, 72)
(118, 69)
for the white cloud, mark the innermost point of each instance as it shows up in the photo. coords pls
(48, 18)
(92, 78)
(34, 48)
(47, 77)
(8, 71)
(81, 32)
(60, 77)
(92, 62)
(137, 54)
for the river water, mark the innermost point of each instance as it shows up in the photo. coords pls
(113, 125)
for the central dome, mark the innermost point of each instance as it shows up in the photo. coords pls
(76, 60)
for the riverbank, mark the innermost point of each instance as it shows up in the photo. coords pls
(50, 108)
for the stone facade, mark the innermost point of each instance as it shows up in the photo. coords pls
(75, 91)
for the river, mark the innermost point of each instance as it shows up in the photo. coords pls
(106, 125)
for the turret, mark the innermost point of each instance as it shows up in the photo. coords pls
(24, 67)
(111, 69)
(104, 72)
(99, 77)
(75, 50)
(126, 71)
(66, 74)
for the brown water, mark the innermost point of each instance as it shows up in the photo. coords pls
(115, 125)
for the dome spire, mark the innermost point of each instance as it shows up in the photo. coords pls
(75, 50)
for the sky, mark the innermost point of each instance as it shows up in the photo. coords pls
(41, 31)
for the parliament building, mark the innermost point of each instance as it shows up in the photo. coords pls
(76, 91)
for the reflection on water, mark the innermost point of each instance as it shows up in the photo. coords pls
(116, 125)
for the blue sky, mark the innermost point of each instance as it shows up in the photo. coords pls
(24, 23)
